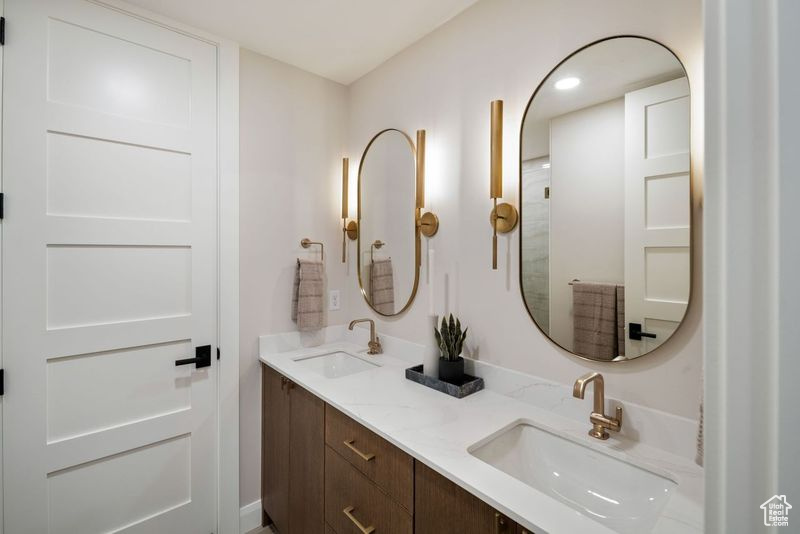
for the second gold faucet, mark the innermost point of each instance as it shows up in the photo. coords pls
(600, 421)
(374, 341)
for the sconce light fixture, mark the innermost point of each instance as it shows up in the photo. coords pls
(504, 216)
(428, 222)
(349, 229)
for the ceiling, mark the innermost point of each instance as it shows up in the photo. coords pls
(607, 71)
(339, 39)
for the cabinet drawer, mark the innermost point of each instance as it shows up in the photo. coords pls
(387, 466)
(443, 506)
(353, 505)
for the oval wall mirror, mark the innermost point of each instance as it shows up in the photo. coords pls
(388, 270)
(605, 233)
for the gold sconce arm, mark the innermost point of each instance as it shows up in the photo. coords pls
(420, 170)
(349, 229)
(344, 240)
(504, 216)
(427, 222)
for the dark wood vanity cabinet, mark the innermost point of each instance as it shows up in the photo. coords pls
(442, 506)
(293, 456)
(323, 472)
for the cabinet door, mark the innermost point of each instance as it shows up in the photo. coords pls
(442, 506)
(306, 462)
(275, 447)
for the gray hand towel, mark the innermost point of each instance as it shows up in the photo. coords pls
(621, 320)
(594, 314)
(307, 296)
(381, 286)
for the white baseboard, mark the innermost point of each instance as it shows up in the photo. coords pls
(250, 517)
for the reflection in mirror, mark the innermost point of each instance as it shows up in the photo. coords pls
(387, 267)
(606, 200)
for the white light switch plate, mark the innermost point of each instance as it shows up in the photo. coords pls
(334, 300)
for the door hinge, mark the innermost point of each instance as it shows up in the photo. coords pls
(1, 205)
(218, 353)
(2, 382)
(2, 31)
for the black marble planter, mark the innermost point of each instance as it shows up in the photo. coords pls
(468, 385)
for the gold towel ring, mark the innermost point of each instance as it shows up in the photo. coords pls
(377, 244)
(306, 243)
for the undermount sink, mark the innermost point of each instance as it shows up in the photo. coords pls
(335, 364)
(620, 495)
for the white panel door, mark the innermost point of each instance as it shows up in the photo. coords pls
(657, 212)
(109, 273)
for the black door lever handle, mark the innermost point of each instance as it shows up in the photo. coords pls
(202, 358)
(635, 332)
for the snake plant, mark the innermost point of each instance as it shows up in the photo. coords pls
(450, 338)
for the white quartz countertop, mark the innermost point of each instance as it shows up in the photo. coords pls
(437, 430)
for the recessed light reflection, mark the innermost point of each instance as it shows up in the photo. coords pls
(545, 165)
(567, 83)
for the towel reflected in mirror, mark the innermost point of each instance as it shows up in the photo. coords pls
(598, 316)
(381, 286)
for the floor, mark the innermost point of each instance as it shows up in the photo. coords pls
(262, 530)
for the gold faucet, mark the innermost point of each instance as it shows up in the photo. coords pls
(374, 340)
(600, 421)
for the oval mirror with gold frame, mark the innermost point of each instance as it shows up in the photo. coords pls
(606, 200)
(389, 236)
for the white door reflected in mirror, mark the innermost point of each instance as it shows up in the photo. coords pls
(606, 200)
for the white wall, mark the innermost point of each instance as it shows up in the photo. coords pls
(587, 206)
(536, 139)
(444, 83)
(292, 136)
(752, 284)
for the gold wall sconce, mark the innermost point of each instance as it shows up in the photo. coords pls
(428, 222)
(504, 216)
(349, 229)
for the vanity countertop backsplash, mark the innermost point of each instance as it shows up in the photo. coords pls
(442, 431)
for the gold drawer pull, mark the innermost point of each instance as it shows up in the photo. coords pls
(349, 513)
(499, 523)
(365, 457)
